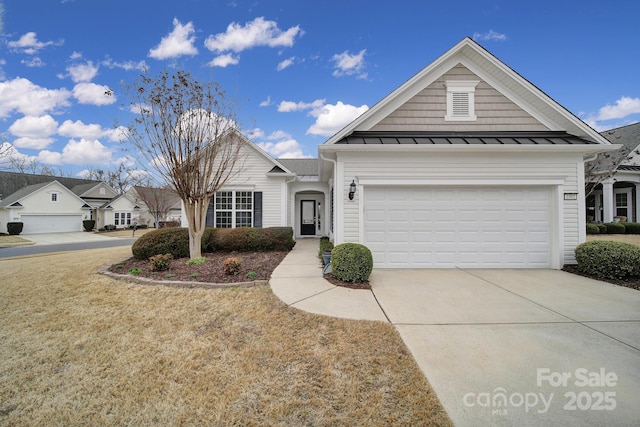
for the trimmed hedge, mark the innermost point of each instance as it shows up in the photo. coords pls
(608, 260)
(325, 245)
(351, 262)
(175, 241)
(614, 227)
(593, 229)
(603, 228)
(14, 228)
(88, 224)
(172, 240)
(631, 227)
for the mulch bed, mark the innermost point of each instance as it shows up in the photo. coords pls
(255, 266)
(353, 285)
(633, 283)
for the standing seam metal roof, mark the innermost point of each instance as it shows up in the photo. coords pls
(464, 138)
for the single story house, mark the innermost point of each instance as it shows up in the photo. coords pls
(616, 178)
(467, 164)
(50, 204)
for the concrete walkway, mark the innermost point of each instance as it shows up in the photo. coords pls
(499, 347)
(299, 283)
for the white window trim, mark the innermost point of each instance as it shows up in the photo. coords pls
(234, 209)
(467, 87)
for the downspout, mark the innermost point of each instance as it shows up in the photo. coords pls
(335, 205)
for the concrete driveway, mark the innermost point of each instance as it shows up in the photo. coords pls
(520, 347)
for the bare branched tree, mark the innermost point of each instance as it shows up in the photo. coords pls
(603, 167)
(158, 201)
(187, 131)
(120, 179)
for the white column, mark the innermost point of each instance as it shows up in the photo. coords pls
(637, 196)
(607, 201)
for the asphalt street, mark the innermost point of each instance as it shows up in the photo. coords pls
(64, 247)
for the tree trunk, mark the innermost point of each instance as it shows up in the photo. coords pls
(196, 212)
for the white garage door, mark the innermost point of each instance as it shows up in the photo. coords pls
(440, 227)
(33, 224)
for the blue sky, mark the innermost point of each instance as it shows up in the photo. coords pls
(299, 69)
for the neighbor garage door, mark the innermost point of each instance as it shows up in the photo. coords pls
(34, 224)
(492, 227)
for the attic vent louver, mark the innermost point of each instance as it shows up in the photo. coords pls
(460, 100)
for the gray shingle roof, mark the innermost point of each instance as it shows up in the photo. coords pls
(464, 138)
(10, 182)
(306, 167)
(12, 198)
(629, 137)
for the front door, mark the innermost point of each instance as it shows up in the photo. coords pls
(308, 217)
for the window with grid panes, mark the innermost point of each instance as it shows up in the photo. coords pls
(224, 209)
(244, 208)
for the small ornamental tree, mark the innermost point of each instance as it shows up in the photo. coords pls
(187, 132)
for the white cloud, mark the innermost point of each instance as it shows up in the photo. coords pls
(31, 126)
(34, 132)
(49, 157)
(490, 36)
(86, 152)
(82, 72)
(179, 42)
(332, 118)
(255, 133)
(127, 65)
(224, 60)
(94, 94)
(29, 44)
(258, 32)
(29, 99)
(284, 147)
(75, 55)
(625, 106)
(78, 129)
(12, 153)
(267, 102)
(34, 62)
(286, 63)
(347, 64)
(290, 106)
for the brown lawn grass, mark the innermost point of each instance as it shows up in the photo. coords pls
(634, 239)
(79, 348)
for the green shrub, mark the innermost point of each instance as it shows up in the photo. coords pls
(248, 239)
(88, 224)
(231, 266)
(614, 227)
(171, 240)
(138, 226)
(160, 262)
(608, 260)
(593, 229)
(602, 228)
(351, 262)
(109, 227)
(175, 240)
(14, 228)
(325, 245)
(631, 227)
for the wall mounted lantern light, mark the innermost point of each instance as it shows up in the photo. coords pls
(352, 189)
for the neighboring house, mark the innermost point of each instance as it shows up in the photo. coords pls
(155, 205)
(46, 204)
(467, 164)
(617, 197)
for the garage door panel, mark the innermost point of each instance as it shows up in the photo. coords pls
(34, 224)
(449, 227)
